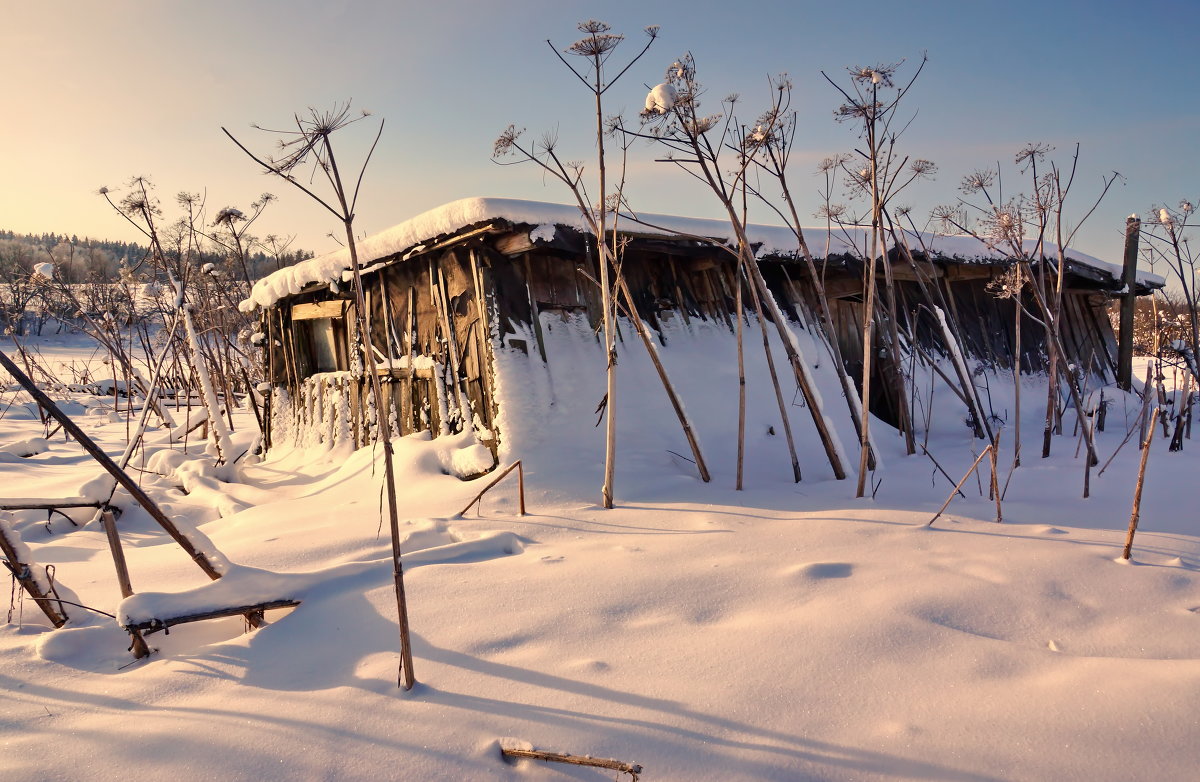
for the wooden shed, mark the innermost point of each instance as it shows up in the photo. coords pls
(448, 288)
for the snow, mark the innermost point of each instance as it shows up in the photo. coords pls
(543, 233)
(30, 446)
(415, 233)
(661, 99)
(783, 632)
(44, 270)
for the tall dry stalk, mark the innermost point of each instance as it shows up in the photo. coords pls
(601, 216)
(873, 101)
(695, 142)
(311, 141)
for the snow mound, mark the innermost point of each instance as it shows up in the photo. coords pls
(25, 448)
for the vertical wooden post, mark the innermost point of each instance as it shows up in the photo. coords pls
(138, 643)
(1133, 227)
(118, 553)
(521, 484)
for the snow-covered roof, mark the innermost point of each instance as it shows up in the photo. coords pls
(412, 235)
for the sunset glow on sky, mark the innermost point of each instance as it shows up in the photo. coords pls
(100, 92)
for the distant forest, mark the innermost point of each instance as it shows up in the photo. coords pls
(79, 260)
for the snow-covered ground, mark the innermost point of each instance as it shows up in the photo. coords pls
(787, 631)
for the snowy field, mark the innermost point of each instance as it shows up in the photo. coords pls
(784, 632)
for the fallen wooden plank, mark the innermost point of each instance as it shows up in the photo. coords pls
(632, 769)
(31, 503)
(164, 622)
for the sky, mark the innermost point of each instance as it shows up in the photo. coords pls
(98, 93)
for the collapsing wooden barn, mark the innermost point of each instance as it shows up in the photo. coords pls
(448, 289)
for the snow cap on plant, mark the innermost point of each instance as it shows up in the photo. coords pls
(228, 215)
(661, 99)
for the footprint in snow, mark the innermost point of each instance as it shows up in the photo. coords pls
(823, 570)
(549, 560)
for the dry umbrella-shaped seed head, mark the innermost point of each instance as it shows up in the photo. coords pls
(948, 217)
(977, 181)
(1031, 153)
(875, 75)
(506, 141)
(599, 40)
(922, 168)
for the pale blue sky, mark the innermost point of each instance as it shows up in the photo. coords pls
(98, 92)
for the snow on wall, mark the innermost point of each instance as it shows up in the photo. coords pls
(318, 415)
(774, 240)
(547, 411)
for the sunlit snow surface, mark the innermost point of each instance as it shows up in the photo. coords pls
(783, 632)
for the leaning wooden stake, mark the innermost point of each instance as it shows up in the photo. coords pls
(1137, 492)
(632, 769)
(520, 486)
(1139, 423)
(804, 380)
(676, 405)
(779, 401)
(958, 486)
(23, 571)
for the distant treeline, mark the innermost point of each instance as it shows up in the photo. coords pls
(79, 260)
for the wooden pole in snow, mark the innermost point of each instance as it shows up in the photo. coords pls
(1135, 515)
(995, 480)
(1133, 227)
(138, 645)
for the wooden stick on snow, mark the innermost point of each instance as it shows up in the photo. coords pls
(946, 504)
(1135, 515)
